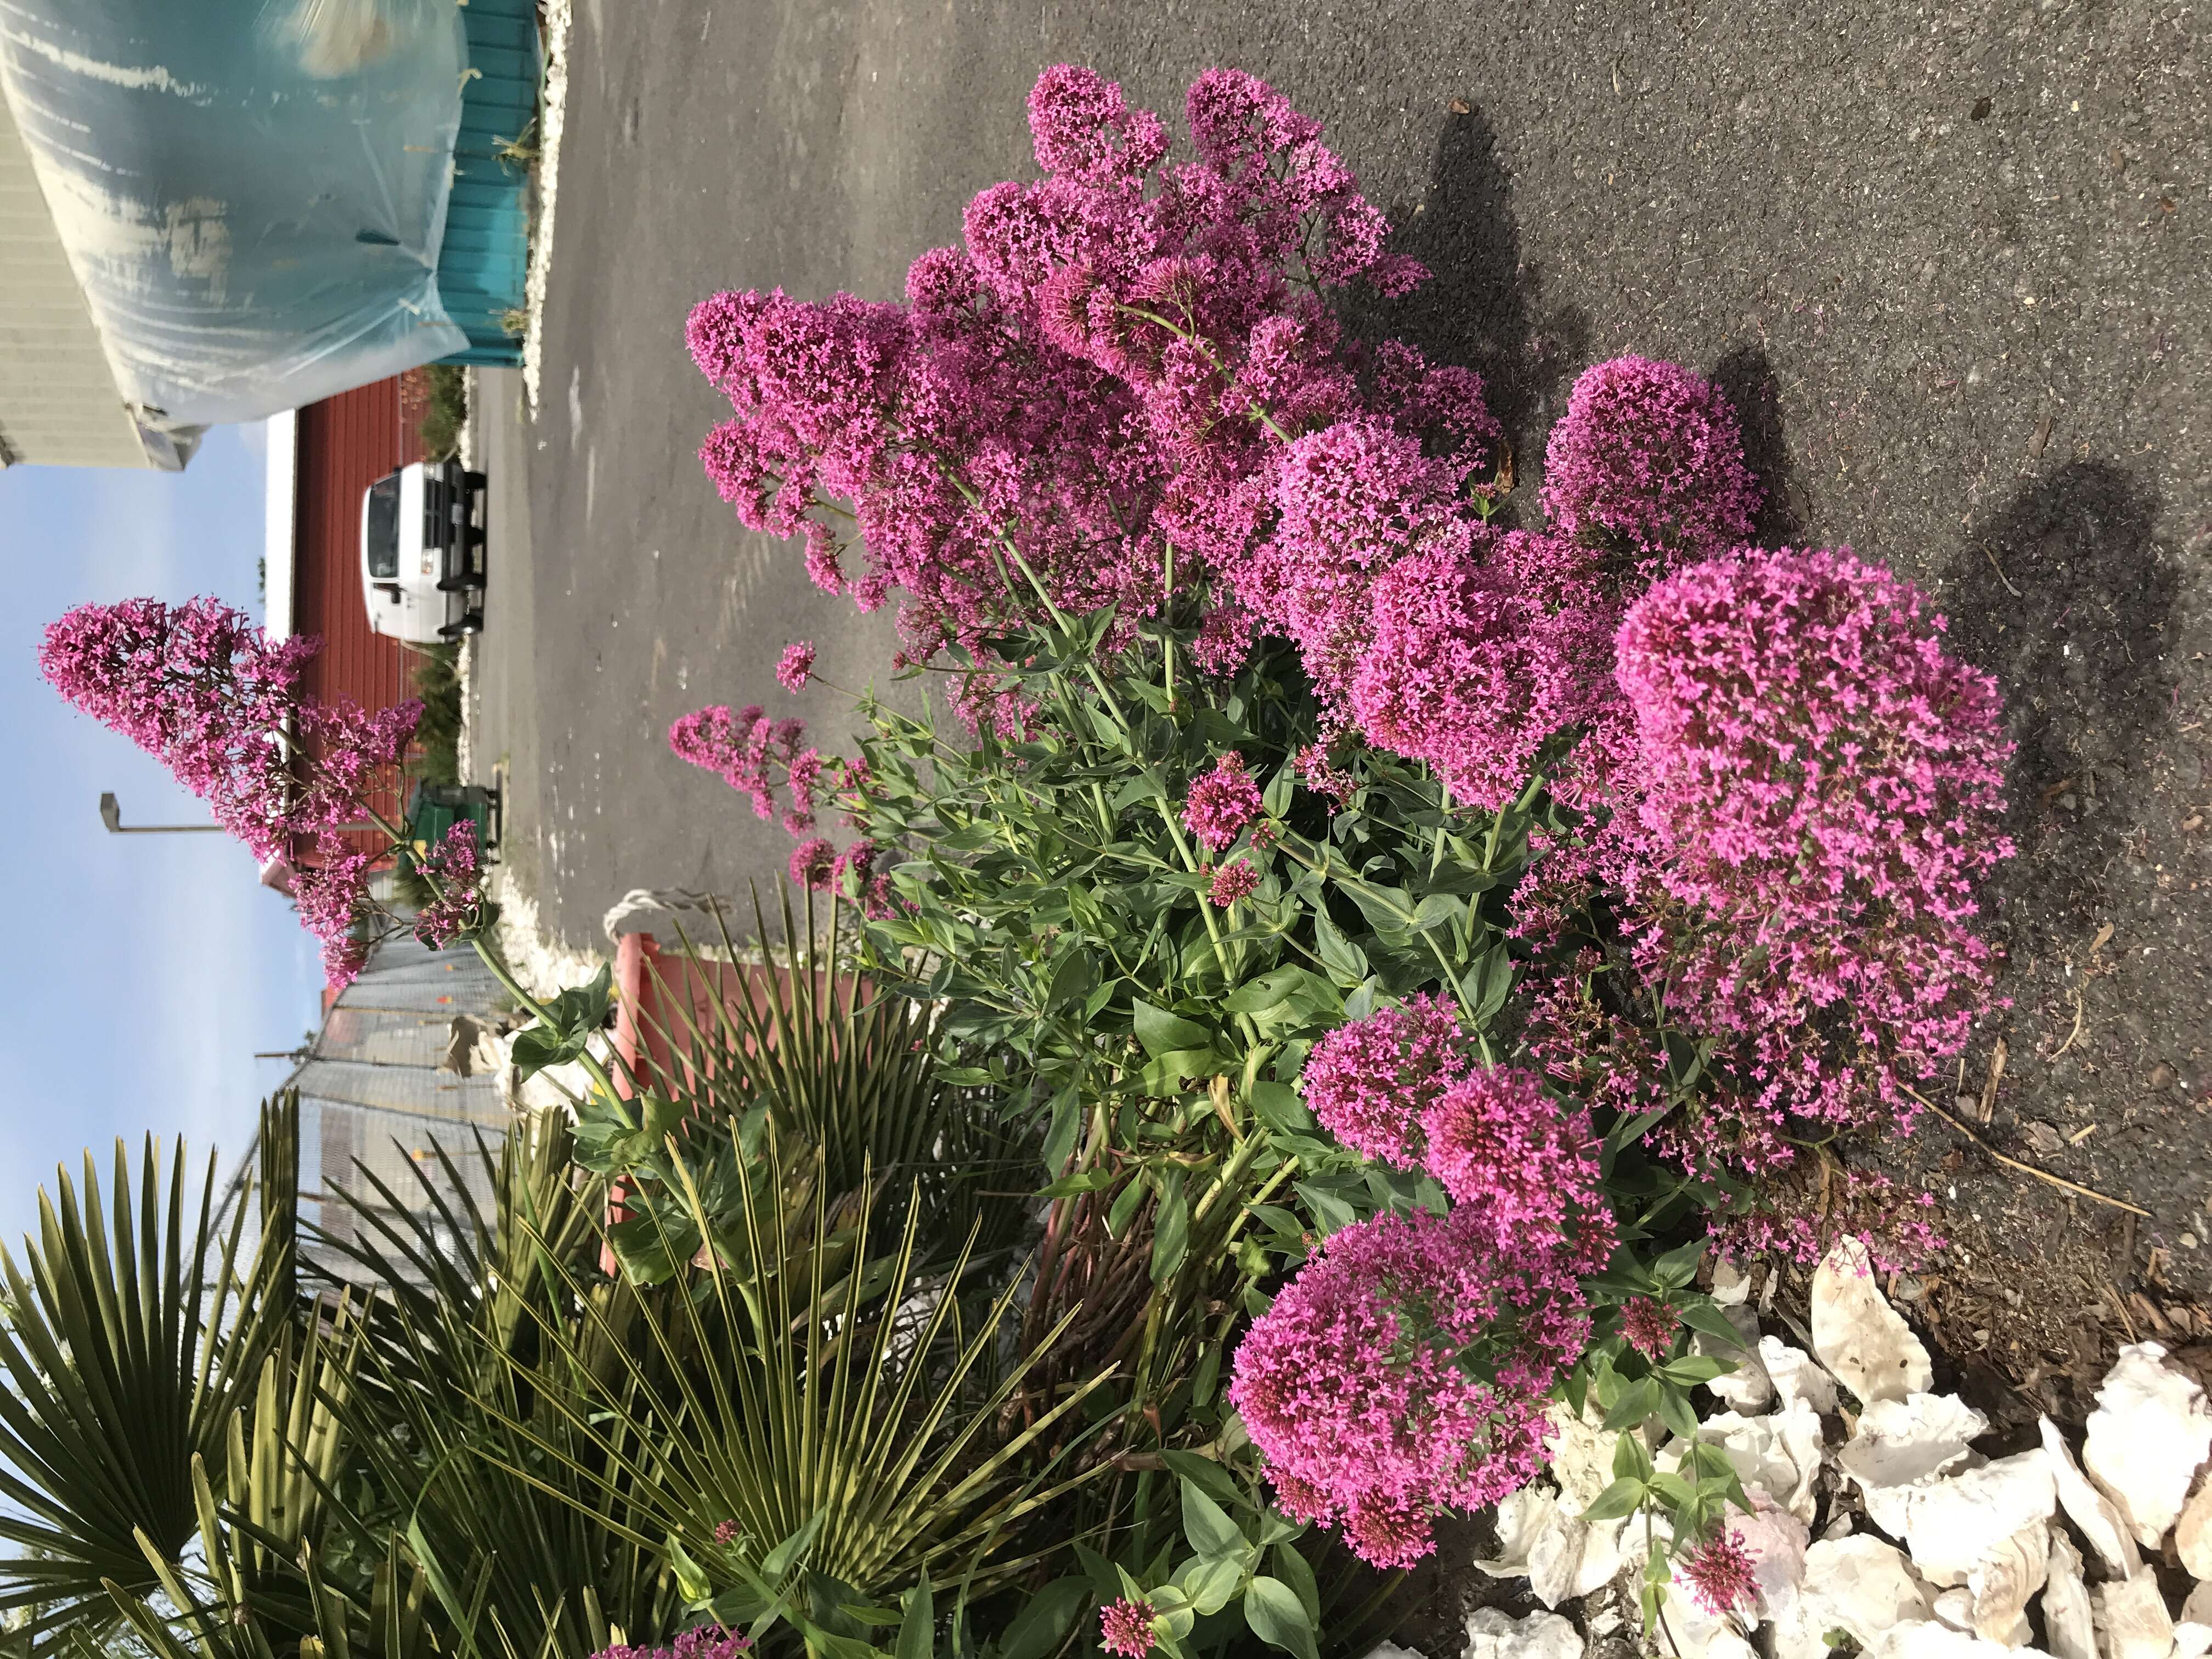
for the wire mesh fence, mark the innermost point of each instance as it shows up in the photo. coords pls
(390, 1081)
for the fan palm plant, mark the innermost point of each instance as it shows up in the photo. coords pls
(134, 1338)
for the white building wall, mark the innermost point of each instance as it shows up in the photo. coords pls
(58, 401)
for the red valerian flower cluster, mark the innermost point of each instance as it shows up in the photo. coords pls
(1352, 1384)
(201, 689)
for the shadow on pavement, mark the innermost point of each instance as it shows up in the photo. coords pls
(1746, 379)
(1483, 306)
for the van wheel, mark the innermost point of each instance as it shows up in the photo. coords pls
(473, 623)
(474, 480)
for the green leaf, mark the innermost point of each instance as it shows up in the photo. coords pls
(1436, 910)
(1637, 1401)
(1671, 1489)
(1621, 1497)
(1631, 1461)
(1679, 1265)
(778, 1561)
(1674, 1412)
(1345, 961)
(1692, 1369)
(1294, 1569)
(1170, 1230)
(1279, 1107)
(917, 1635)
(1265, 992)
(690, 1579)
(1332, 1212)
(1045, 1619)
(1090, 1181)
(1211, 1582)
(1707, 1319)
(1278, 1618)
(1490, 981)
(1162, 1032)
(1208, 1527)
(571, 1018)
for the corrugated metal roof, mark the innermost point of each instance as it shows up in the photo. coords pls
(342, 444)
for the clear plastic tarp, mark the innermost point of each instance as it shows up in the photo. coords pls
(251, 193)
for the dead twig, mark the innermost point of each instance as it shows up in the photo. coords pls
(1999, 568)
(2076, 1031)
(2025, 1169)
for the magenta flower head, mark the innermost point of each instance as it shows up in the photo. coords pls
(1652, 455)
(726, 1532)
(1232, 882)
(797, 666)
(1222, 803)
(1370, 1080)
(814, 864)
(1647, 1327)
(1125, 1627)
(1823, 782)
(1087, 132)
(458, 905)
(1353, 1391)
(1520, 1162)
(1720, 1572)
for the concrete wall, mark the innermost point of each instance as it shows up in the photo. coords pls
(59, 402)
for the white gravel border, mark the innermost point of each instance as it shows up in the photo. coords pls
(559, 17)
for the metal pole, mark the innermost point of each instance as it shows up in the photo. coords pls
(111, 814)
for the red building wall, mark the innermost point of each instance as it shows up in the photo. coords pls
(346, 443)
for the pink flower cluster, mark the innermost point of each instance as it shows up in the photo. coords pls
(701, 1642)
(796, 666)
(1650, 455)
(202, 690)
(1720, 1572)
(1405, 1369)
(1352, 1384)
(452, 867)
(1125, 1627)
(1818, 784)
(1223, 803)
(756, 757)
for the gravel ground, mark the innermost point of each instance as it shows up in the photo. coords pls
(1949, 261)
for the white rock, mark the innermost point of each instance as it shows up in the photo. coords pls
(1863, 1341)
(1731, 1283)
(1747, 1388)
(1796, 1375)
(2191, 1640)
(1780, 1452)
(2192, 1533)
(1582, 1454)
(1862, 1585)
(2096, 1514)
(1685, 1630)
(1492, 1634)
(2132, 1619)
(1521, 1519)
(1555, 1560)
(1775, 1542)
(2148, 1438)
(1933, 1640)
(1798, 1636)
(2198, 1609)
(2069, 1629)
(1954, 1609)
(1601, 1562)
(1604, 1623)
(2003, 1582)
(1958, 1522)
(1391, 1651)
(1902, 1444)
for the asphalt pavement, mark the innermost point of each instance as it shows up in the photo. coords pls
(1949, 260)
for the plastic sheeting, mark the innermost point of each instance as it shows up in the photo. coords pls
(251, 193)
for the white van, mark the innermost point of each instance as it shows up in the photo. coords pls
(422, 553)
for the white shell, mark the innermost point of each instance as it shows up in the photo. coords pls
(2096, 1514)
(1862, 1585)
(2148, 1436)
(1747, 1387)
(1796, 1375)
(1955, 1524)
(1522, 1518)
(2068, 1625)
(1492, 1634)
(2192, 1533)
(1779, 1454)
(1863, 1341)
(2132, 1619)
(1906, 1443)
(2003, 1581)
(1932, 1640)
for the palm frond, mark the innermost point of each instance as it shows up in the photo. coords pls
(132, 1339)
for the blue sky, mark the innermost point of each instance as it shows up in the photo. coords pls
(146, 970)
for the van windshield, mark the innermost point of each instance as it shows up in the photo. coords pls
(380, 529)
